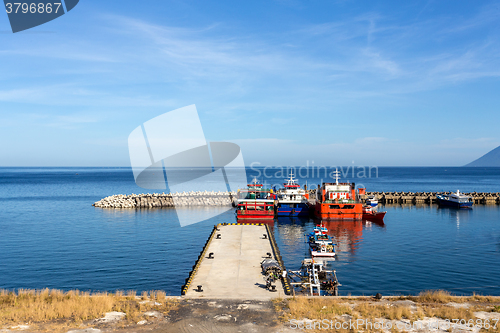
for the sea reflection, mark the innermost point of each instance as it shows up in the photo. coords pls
(268, 222)
(293, 231)
(455, 215)
(348, 235)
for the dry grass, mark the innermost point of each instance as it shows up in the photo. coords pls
(441, 296)
(319, 309)
(387, 311)
(427, 304)
(36, 307)
(437, 296)
(485, 299)
(448, 312)
(322, 308)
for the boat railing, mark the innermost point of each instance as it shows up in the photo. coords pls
(346, 201)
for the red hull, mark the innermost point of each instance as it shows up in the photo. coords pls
(374, 216)
(254, 216)
(337, 211)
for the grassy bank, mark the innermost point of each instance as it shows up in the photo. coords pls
(404, 309)
(57, 310)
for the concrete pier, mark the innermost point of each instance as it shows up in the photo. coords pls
(229, 266)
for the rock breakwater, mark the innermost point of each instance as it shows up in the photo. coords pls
(160, 200)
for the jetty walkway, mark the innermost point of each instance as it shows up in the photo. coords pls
(229, 265)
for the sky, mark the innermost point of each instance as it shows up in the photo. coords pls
(378, 83)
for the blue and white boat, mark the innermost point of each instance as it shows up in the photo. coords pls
(320, 244)
(456, 200)
(372, 201)
(292, 200)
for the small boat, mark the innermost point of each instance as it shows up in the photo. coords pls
(338, 201)
(320, 244)
(313, 276)
(255, 203)
(372, 200)
(457, 200)
(371, 214)
(292, 200)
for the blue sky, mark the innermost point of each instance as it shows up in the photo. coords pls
(386, 83)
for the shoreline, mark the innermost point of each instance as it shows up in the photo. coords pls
(155, 312)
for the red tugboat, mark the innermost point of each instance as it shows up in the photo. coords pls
(338, 201)
(255, 203)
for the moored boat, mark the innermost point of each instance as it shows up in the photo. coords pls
(255, 203)
(371, 214)
(457, 200)
(320, 244)
(292, 200)
(315, 278)
(372, 200)
(338, 201)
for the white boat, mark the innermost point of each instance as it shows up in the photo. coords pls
(320, 244)
(292, 200)
(457, 200)
(314, 276)
(372, 200)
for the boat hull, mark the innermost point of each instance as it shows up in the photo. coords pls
(242, 215)
(449, 203)
(301, 209)
(373, 216)
(339, 211)
(322, 254)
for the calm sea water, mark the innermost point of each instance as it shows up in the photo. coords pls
(51, 236)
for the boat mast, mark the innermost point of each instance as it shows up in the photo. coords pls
(337, 176)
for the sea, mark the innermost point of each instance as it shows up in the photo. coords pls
(52, 237)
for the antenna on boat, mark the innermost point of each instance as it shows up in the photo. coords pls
(290, 180)
(336, 176)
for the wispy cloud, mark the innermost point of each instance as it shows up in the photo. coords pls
(352, 55)
(321, 79)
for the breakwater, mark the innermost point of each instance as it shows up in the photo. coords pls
(160, 200)
(479, 198)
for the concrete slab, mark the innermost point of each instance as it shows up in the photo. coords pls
(235, 271)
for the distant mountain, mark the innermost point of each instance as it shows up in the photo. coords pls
(491, 159)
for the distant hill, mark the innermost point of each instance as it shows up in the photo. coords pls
(491, 159)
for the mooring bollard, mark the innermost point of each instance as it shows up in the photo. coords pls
(218, 236)
(199, 289)
(268, 254)
(265, 236)
(211, 255)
